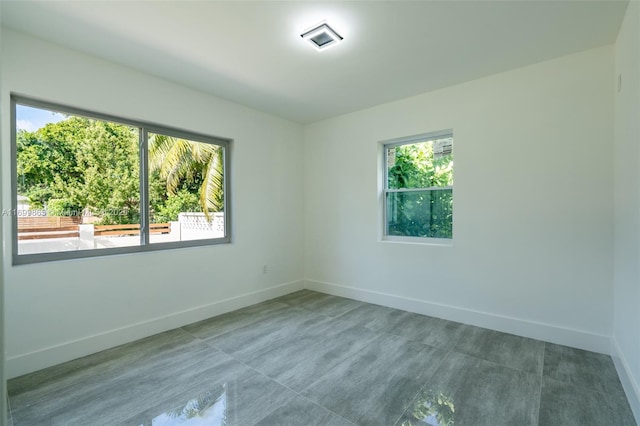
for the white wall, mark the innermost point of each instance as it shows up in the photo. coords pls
(626, 332)
(534, 238)
(54, 313)
(3, 383)
(533, 206)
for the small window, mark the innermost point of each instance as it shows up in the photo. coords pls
(87, 184)
(418, 187)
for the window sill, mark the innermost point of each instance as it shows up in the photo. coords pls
(439, 242)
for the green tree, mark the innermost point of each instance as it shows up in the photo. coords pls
(109, 160)
(185, 164)
(80, 163)
(181, 201)
(420, 213)
(416, 166)
(46, 161)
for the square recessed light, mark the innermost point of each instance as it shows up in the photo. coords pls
(322, 36)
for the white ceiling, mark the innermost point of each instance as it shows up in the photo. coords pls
(252, 53)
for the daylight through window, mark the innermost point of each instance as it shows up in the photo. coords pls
(86, 184)
(418, 187)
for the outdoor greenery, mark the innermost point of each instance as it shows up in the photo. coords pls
(181, 201)
(422, 213)
(432, 408)
(187, 166)
(80, 164)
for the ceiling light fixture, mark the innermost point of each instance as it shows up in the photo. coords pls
(322, 36)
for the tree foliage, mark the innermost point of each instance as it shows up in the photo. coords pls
(420, 213)
(431, 407)
(109, 162)
(47, 165)
(181, 201)
(184, 165)
(81, 164)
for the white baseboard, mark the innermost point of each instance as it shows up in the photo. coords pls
(535, 330)
(629, 383)
(42, 358)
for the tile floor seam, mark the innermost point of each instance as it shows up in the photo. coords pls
(344, 360)
(297, 400)
(362, 349)
(328, 409)
(315, 312)
(193, 335)
(288, 388)
(189, 333)
(312, 383)
(422, 342)
(495, 363)
(264, 375)
(9, 412)
(368, 327)
(267, 414)
(219, 349)
(208, 343)
(621, 393)
(249, 366)
(349, 310)
(444, 358)
(382, 332)
(225, 313)
(122, 375)
(544, 351)
(344, 313)
(408, 339)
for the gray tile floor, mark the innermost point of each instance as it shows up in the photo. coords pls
(313, 359)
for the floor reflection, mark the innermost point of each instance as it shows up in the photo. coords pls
(432, 408)
(209, 408)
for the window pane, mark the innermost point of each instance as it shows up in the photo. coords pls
(420, 165)
(186, 189)
(420, 213)
(77, 182)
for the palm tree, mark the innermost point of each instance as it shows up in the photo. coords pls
(180, 160)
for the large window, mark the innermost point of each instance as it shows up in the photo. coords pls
(418, 187)
(87, 184)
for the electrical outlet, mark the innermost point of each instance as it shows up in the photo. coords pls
(264, 269)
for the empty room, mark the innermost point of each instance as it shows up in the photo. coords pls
(320, 213)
